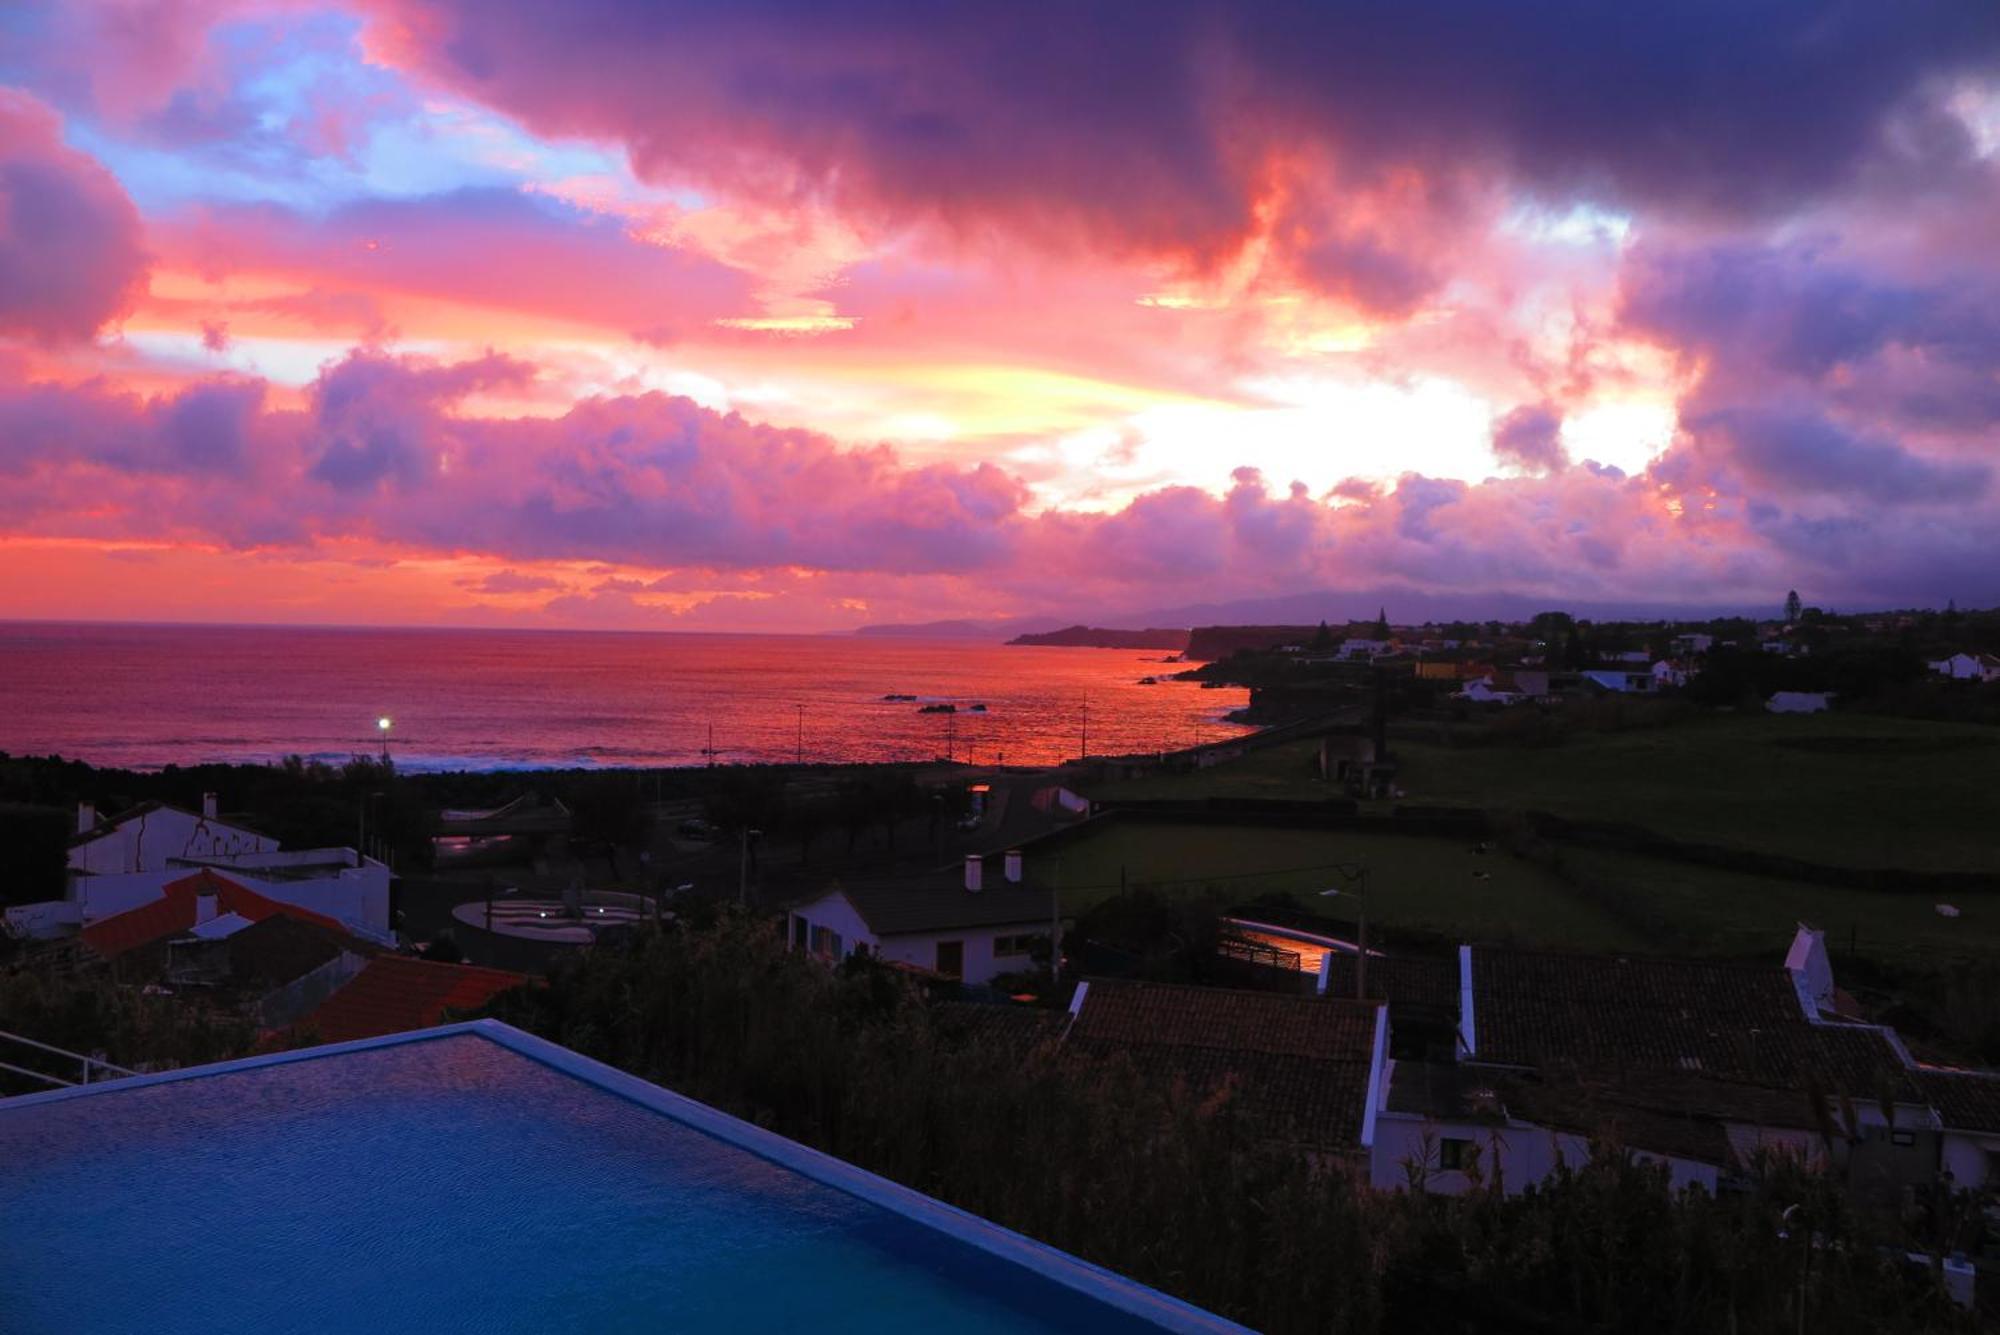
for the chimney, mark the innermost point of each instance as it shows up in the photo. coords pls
(204, 909)
(86, 817)
(208, 806)
(1013, 866)
(975, 872)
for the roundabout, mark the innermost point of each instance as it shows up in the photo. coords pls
(571, 920)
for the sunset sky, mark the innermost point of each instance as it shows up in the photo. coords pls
(801, 315)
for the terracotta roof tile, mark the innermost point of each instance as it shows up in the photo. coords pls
(395, 993)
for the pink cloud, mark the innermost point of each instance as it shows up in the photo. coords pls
(70, 250)
(381, 453)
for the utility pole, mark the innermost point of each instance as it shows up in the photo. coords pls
(743, 871)
(801, 757)
(1356, 873)
(1055, 921)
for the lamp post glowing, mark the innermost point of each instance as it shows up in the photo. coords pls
(382, 726)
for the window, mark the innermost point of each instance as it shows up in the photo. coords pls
(951, 958)
(825, 943)
(1454, 1154)
(1014, 945)
(801, 933)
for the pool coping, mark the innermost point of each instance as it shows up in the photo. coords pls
(1071, 1272)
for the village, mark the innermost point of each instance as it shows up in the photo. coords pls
(1478, 906)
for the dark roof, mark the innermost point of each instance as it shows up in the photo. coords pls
(1965, 1100)
(396, 993)
(935, 904)
(1420, 984)
(281, 949)
(1300, 1064)
(1017, 1028)
(1609, 1114)
(1531, 1007)
(174, 913)
(1712, 1024)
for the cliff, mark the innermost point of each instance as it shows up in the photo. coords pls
(1096, 637)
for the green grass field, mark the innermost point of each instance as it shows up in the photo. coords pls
(1597, 900)
(1844, 789)
(1418, 882)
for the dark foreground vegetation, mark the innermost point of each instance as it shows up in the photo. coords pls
(1187, 1193)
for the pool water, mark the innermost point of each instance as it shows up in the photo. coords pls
(455, 1184)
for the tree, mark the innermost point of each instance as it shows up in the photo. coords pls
(1575, 656)
(1550, 627)
(1792, 606)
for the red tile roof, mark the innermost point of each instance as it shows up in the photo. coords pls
(396, 993)
(1299, 1064)
(174, 913)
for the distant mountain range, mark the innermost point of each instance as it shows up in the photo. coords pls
(1404, 607)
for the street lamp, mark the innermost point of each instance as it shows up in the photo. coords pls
(382, 726)
(1356, 874)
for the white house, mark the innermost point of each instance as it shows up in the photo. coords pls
(1968, 667)
(125, 861)
(147, 837)
(1359, 648)
(1800, 702)
(973, 932)
(1671, 672)
(1968, 1108)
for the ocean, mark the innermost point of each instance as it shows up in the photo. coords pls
(149, 696)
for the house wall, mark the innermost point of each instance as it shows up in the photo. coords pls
(44, 921)
(1525, 1154)
(145, 843)
(981, 964)
(1967, 1157)
(1876, 1162)
(834, 913)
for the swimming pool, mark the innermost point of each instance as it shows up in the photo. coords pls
(475, 1178)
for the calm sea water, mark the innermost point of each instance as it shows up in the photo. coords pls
(146, 696)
